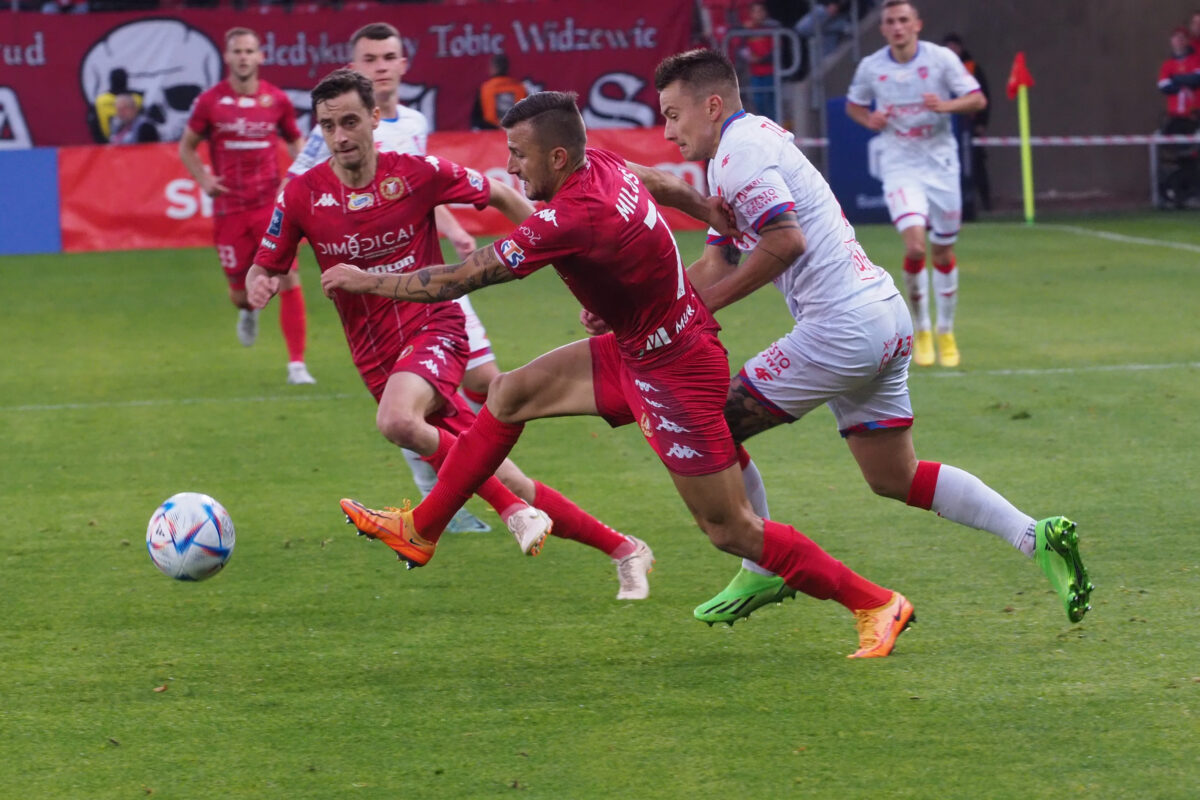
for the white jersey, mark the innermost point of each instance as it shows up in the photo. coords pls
(915, 139)
(407, 132)
(761, 174)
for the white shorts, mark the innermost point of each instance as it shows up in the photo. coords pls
(932, 199)
(857, 363)
(477, 340)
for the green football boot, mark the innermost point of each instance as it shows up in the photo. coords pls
(747, 592)
(1057, 552)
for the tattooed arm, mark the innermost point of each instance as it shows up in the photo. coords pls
(715, 263)
(780, 243)
(426, 285)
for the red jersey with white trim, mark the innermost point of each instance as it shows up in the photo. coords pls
(386, 226)
(242, 131)
(1186, 101)
(614, 251)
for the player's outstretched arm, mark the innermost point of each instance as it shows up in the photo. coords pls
(871, 120)
(780, 243)
(675, 192)
(190, 156)
(509, 202)
(426, 285)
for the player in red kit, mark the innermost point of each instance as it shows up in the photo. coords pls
(661, 365)
(242, 118)
(378, 209)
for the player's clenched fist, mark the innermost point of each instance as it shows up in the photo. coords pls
(346, 277)
(260, 289)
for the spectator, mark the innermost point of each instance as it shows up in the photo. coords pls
(1193, 30)
(130, 125)
(975, 174)
(829, 19)
(104, 110)
(1178, 79)
(759, 53)
(496, 95)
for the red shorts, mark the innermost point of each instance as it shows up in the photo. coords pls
(437, 351)
(237, 236)
(680, 405)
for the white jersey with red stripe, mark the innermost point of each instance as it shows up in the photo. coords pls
(916, 139)
(407, 132)
(761, 174)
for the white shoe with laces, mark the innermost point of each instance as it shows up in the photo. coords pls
(247, 326)
(298, 373)
(632, 571)
(529, 526)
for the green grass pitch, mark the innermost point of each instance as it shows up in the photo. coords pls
(316, 666)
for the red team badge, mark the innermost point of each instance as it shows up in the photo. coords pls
(923, 72)
(391, 188)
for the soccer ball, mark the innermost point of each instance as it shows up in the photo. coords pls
(190, 537)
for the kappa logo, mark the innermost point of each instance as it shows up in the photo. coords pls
(665, 424)
(549, 215)
(439, 353)
(432, 161)
(643, 386)
(326, 201)
(682, 451)
(357, 202)
(652, 403)
(430, 365)
(512, 253)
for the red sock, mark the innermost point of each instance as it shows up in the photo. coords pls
(491, 491)
(572, 522)
(805, 567)
(476, 398)
(946, 268)
(743, 456)
(920, 494)
(914, 265)
(293, 320)
(468, 464)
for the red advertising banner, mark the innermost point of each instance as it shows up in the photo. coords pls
(55, 66)
(140, 196)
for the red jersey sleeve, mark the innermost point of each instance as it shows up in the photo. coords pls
(277, 250)
(541, 239)
(199, 120)
(288, 128)
(452, 183)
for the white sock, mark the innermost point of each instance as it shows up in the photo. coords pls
(945, 296)
(961, 497)
(916, 286)
(757, 492)
(423, 473)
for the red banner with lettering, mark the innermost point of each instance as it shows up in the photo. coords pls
(55, 66)
(141, 197)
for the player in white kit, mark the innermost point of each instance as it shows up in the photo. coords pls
(378, 54)
(851, 343)
(916, 86)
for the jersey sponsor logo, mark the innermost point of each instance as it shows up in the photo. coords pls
(760, 203)
(226, 101)
(245, 102)
(358, 201)
(762, 374)
(357, 245)
(883, 77)
(391, 188)
(267, 243)
(247, 128)
(656, 340)
(512, 253)
(475, 179)
(276, 222)
(395, 266)
(529, 233)
(665, 424)
(326, 201)
(682, 451)
(644, 424)
(549, 215)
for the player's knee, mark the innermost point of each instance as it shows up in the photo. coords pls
(888, 486)
(727, 535)
(398, 429)
(506, 395)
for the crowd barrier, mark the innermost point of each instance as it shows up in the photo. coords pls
(78, 199)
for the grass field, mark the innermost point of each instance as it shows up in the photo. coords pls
(315, 666)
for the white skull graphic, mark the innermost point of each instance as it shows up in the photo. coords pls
(168, 62)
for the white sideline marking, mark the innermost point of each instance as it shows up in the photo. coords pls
(1120, 237)
(1067, 370)
(182, 401)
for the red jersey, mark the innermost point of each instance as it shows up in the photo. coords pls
(1186, 101)
(386, 226)
(616, 254)
(242, 131)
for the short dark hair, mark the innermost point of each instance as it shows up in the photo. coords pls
(343, 80)
(555, 118)
(376, 32)
(893, 3)
(706, 69)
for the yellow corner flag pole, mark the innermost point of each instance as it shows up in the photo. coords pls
(1019, 81)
